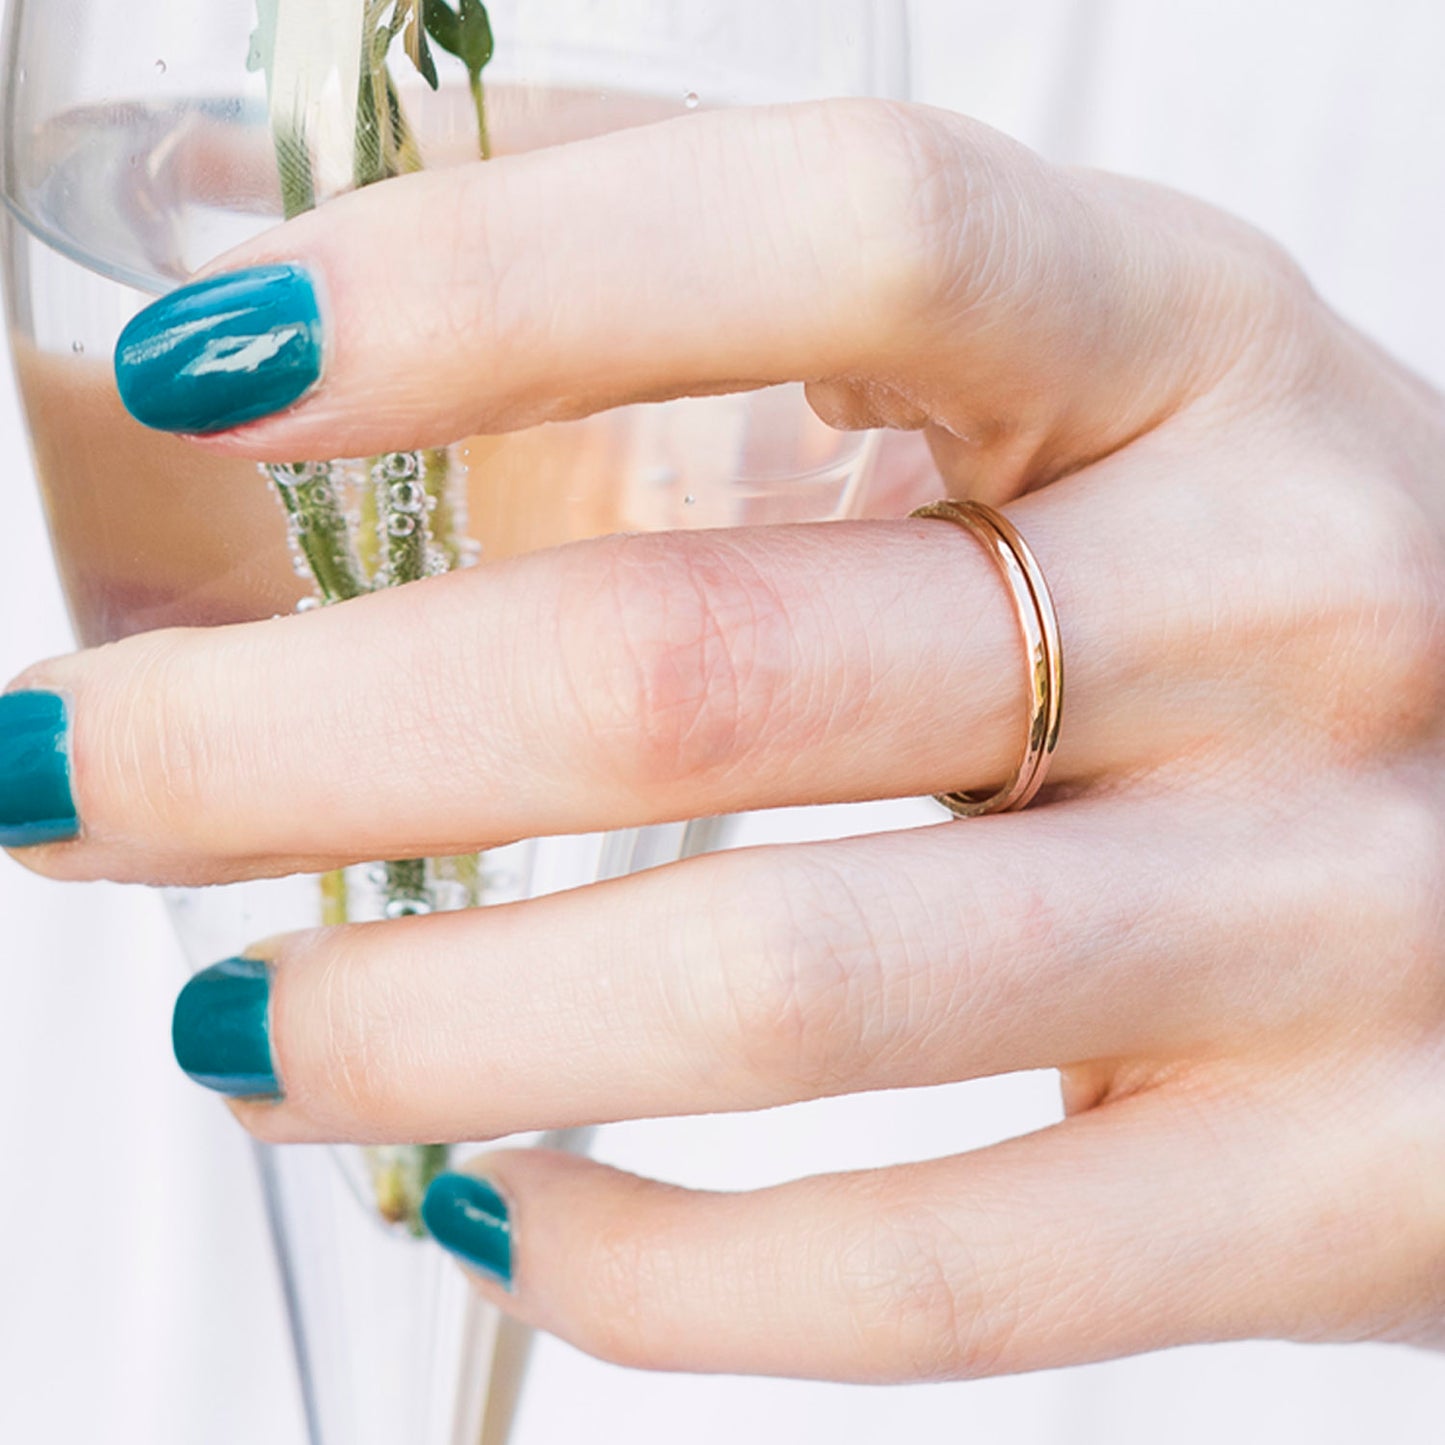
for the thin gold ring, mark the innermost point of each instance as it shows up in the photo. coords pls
(1039, 624)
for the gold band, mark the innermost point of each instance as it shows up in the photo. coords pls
(1040, 627)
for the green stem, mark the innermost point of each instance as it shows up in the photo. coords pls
(412, 518)
(335, 900)
(403, 511)
(320, 528)
(479, 101)
(407, 892)
(400, 1175)
(448, 508)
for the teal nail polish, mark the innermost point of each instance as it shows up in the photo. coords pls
(468, 1217)
(35, 799)
(220, 1031)
(222, 352)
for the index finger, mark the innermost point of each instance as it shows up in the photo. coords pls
(949, 273)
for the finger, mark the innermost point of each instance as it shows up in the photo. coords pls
(1129, 1229)
(764, 977)
(614, 683)
(939, 259)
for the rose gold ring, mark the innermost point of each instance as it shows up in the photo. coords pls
(1040, 627)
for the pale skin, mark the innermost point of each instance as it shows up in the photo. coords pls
(1222, 921)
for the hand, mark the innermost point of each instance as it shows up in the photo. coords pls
(1222, 921)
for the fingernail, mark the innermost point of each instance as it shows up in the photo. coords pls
(35, 799)
(469, 1218)
(223, 352)
(220, 1031)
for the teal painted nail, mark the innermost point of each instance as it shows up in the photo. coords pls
(35, 800)
(220, 1031)
(222, 352)
(468, 1217)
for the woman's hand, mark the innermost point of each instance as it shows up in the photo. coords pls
(1223, 921)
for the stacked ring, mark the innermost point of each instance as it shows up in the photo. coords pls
(1040, 627)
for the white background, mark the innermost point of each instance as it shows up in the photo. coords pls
(137, 1303)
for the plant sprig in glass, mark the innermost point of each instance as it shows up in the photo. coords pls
(410, 520)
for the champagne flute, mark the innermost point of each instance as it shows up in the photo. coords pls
(144, 137)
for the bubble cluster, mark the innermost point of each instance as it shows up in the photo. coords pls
(364, 524)
(317, 524)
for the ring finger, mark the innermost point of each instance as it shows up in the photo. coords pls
(637, 680)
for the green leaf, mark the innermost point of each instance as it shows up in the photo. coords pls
(422, 56)
(465, 33)
(445, 27)
(408, 17)
(478, 46)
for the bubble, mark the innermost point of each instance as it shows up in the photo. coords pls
(400, 467)
(160, 67)
(408, 497)
(469, 553)
(408, 908)
(401, 525)
(689, 500)
(78, 347)
(297, 472)
(308, 604)
(692, 100)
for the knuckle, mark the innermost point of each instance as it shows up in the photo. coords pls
(339, 1018)
(913, 190)
(1351, 604)
(621, 1267)
(1397, 885)
(483, 293)
(913, 1295)
(146, 764)
(1268, 284)
(1392, 615)
(1360, 871)
(801, 972)
(677, 677)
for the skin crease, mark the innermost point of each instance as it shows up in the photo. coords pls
(1222, 923)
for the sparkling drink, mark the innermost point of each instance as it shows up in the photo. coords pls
(151, 532)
